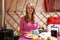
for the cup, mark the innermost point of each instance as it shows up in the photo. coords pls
(35, 32)
(35, 38)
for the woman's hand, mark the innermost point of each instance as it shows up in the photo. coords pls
(28, 34)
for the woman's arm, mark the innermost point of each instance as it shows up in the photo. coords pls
(36, 23)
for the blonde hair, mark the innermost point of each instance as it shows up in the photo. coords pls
(26, 17)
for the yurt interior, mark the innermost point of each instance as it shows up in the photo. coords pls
(17, 19)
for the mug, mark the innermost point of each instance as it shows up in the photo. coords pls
(35, 32)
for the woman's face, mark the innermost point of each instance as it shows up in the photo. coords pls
(29, 9)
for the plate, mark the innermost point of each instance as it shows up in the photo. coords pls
(30, 36)
(54, 38)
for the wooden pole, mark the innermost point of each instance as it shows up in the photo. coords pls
(47, 5)
(55, 5)
(3, 13)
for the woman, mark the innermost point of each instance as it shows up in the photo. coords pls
(27, 23)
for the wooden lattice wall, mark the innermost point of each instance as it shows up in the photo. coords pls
(16, 8)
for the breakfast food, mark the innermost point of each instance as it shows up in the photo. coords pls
(42, 39)
(29, 35)
(35, 37)
(49, 38)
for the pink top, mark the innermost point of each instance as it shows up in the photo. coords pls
(25, 27)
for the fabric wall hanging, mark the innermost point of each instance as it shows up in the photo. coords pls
(52, 5)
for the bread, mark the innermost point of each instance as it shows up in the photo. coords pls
(29, 35)
(49, 38)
